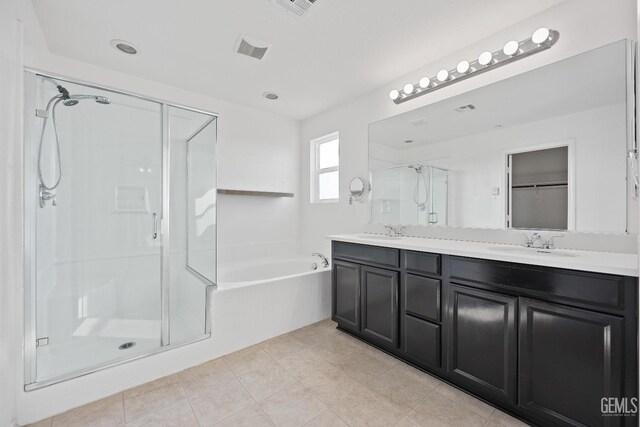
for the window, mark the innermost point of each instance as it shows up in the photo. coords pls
(325, 169)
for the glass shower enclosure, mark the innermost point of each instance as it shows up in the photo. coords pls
(120, 227)
(412, 194)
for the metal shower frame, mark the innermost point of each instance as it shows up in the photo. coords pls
(30, 224)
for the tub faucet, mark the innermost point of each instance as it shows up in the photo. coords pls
(325, 261)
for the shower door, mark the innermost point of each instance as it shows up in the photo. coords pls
(98, 250)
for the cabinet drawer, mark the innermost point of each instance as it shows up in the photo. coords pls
(421, 341)
(421, 262)
(421, 297)
(581, 288)
(375, 255)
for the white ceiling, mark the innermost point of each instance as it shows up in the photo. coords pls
(341, 49)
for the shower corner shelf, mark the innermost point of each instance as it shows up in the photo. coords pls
(253, 193)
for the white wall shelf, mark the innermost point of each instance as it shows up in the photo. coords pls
(253, 193)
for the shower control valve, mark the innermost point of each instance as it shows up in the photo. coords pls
(44, 195)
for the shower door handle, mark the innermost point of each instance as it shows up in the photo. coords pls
(154, 232)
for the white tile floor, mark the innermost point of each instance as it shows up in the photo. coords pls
(315, 376)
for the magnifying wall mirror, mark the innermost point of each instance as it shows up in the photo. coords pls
(356, 190)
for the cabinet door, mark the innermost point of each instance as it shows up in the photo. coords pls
(482, 342)
(569, 360)
(346, 295)
(379, 301)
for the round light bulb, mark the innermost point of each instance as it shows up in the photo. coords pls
(463, 67)
(511, 48)
(394, 94)
(408, 89)
(442, 76)
(424, 82)
(485, 58)
(540, 35)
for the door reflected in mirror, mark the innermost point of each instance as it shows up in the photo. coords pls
(539, 183)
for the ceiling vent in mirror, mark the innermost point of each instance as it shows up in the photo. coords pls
(418, 122)
(464, 108)
(297, 7)
(251, 46)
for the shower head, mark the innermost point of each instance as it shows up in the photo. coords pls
(75, 99)
(418, 169)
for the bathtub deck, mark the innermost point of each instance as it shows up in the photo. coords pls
(314, 376)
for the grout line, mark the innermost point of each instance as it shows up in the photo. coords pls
(265, 414)
(237, 378)
(124, 409)
(463, 406)
(188, 399)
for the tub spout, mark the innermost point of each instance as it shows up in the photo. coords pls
(325, 261)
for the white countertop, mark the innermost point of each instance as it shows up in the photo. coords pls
(600, 262)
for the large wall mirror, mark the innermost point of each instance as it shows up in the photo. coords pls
(546, 149)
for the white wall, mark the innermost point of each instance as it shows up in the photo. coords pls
(583, 25)
(10, 64)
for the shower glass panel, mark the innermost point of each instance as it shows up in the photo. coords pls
(409, 194)
(193, 219)
(120, 227)
(97, 255)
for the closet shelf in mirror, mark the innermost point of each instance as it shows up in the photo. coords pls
(253, 193)
(541, 185)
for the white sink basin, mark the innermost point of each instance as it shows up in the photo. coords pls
(530, 251)
(378, 237)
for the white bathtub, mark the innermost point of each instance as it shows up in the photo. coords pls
(268, 270)
(260, 299)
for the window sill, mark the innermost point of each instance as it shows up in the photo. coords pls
(322, 202)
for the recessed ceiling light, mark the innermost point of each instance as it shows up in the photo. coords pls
(271, 96)
(408, 141)
(124, 46)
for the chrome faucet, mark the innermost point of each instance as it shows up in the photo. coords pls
(394, 231)
(325, 261)
(536, 241)
(44, 195)
(549, 243)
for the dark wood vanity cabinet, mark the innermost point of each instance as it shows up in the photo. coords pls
(420, 317)
(569, 360)
(482, 341)
(365, 297)
(346, 295)
(379, 304)
(545, 344)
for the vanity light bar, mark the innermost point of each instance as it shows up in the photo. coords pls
(541, 39)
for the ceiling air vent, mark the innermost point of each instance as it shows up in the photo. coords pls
(251, 46)
(464, 108)
(297, 7)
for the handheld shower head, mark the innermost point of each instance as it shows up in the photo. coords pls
(75, 99)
